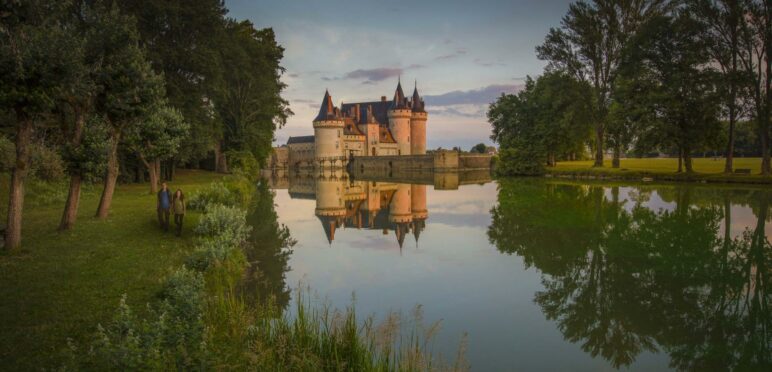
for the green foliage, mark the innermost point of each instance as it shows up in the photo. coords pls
(478, 148)
(45, 163)
(172, 336)
(89, 159)
(670, 87)
(247, 98)
(213, 194)
(220, 220)
(7, 154)
(549, 119)
(159, 134)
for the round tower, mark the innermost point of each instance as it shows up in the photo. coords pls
(399, 121)
(330, 206)
(419, 211)
(417, 125)
(328, 135)
(400, 208)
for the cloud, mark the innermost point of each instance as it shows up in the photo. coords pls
(459, 52)
(481, 96)
(485, 63)
(369, 76)
(474, 112)
(294, 75)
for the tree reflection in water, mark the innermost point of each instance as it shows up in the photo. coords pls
(621, 278)
(268, 254)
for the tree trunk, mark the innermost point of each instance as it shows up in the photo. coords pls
(617, 154)
(688, 161)
(680, 161)
(729, 166)
(221, 163)
(764, 141)
(172, 169)
(152, 171)
(111, 177)
(598, 146)
(20, 170)
(70, 214)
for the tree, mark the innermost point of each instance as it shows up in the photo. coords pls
(183, 41)
(665, 71)
(157, 137)
(479, 148)
(39, 58)
(247, 98)
(756, 46)
(588, 46)
(129, 88)
(548, 120)
(723, 22)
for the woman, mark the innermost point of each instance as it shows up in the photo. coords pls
(178, 207)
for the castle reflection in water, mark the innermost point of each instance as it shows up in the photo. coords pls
(374, 203)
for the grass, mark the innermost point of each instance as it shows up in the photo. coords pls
(705, 169)
(61, 285)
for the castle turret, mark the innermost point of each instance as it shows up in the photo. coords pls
(418, 209)
(399, 121)
(328, 134)
(417, 125)
(371, 128)
(330, 207)
(400, 209)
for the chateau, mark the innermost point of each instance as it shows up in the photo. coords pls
(360, 129)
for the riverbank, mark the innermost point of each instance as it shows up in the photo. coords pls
(62, 284)
(706, 170)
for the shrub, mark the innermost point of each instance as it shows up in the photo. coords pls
(211, 251)
(215, 193)
(519, 162)
(173, 336)
(46, 164)
(220, 220)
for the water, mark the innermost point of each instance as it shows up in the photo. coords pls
(541, 275)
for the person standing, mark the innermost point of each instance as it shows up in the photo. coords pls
(178, 206)
(163, 206)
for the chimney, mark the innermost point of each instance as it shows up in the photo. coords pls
(383, 98)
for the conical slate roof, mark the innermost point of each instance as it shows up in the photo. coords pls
(328, 111)
(418, 104)
(399, 97)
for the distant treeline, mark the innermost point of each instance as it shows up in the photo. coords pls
(129, 90)
(643, 78)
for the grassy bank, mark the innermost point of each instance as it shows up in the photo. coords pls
(663, 169)
(61, 282)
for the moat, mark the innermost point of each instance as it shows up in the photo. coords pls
(543, 274)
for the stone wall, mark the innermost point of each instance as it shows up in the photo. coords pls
(468, 161)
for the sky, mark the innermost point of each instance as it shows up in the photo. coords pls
(462, 54)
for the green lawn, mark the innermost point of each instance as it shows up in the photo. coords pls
(61, 285)
(708, 169)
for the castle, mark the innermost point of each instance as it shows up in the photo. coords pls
(377, 128)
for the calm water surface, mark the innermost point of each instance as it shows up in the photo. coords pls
(541, 275)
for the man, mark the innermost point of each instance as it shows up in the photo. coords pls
(164, 206)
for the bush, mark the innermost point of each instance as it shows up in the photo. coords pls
(519, 162)
(228, 222)
(46, 164)
(215, 193)
(174, 335)
(211, 251)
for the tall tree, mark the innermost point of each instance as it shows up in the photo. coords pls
(665, 65)
(756, 47)
(723, 22)
(158, 137)
(129, 88)
(588, 45)
(182, 40)
(248, 98)
(39, 58)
